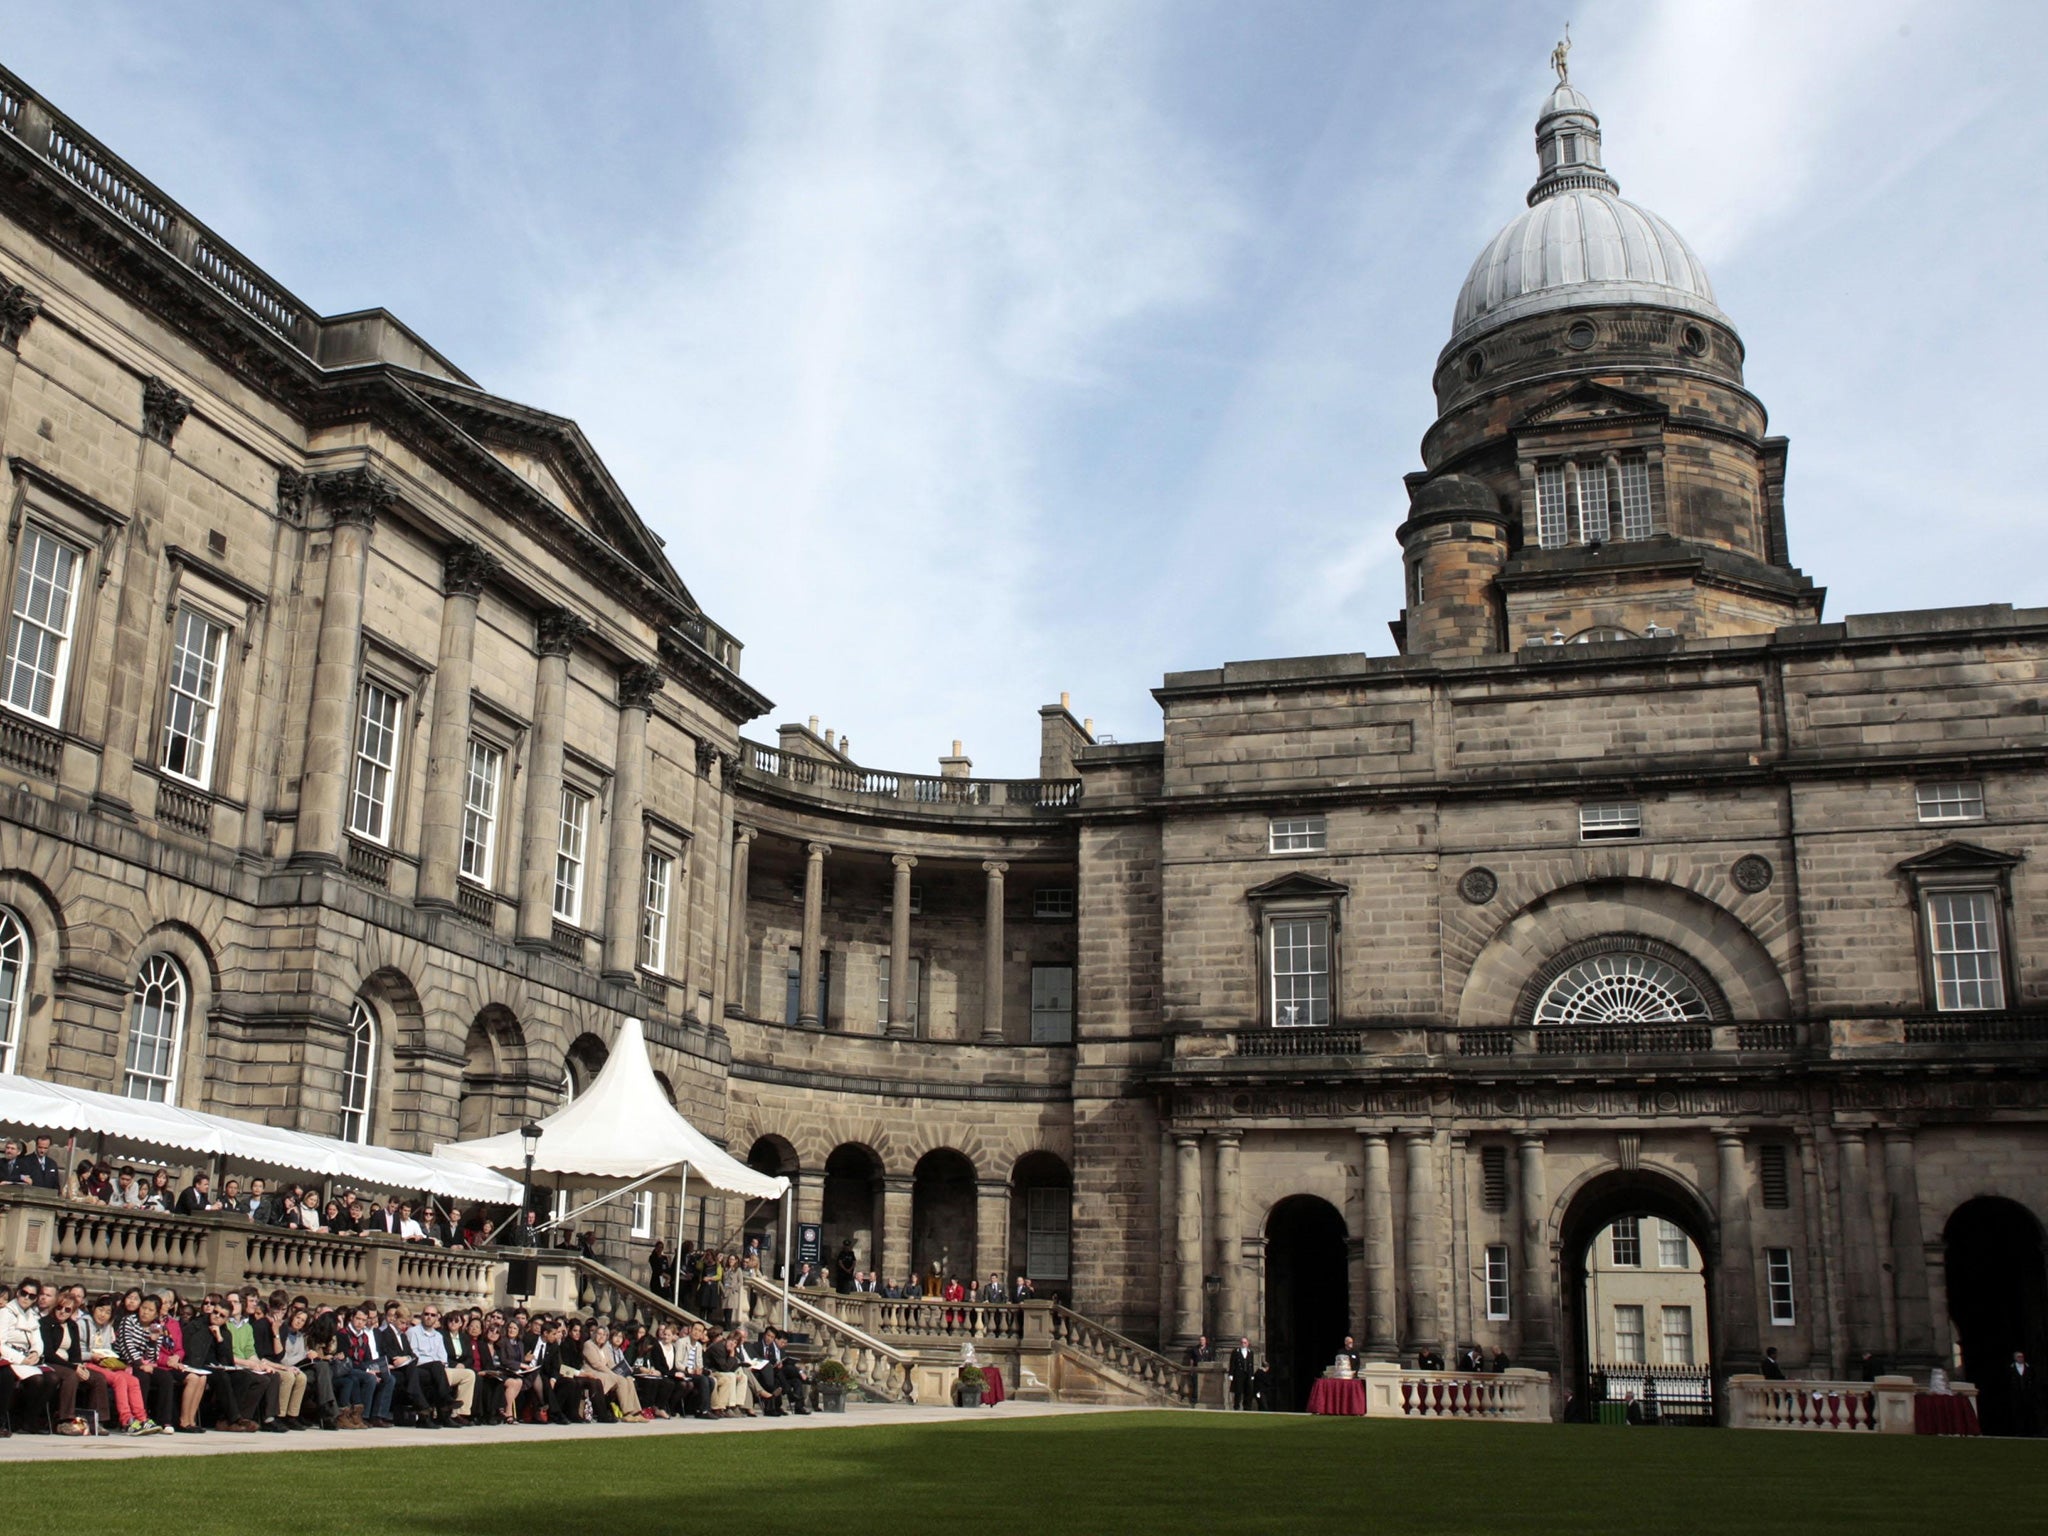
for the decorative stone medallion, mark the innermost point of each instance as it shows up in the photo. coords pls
(1478, 885)
(1752, 873)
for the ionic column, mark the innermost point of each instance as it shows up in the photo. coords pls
(900, 1001)
(814, 936)
(1738, 1346)
(1381, 1334)
(625, 863)
(464, 572)
(1418, 1150)
(1859, 1247)
(991, 1230)
(354, 498)
(1909, 1251)
(1539, 1344)
(1187, 1237)
(992, 954)
(895, 1257)
(1229, 1235)
(555, 636)
(736, 922)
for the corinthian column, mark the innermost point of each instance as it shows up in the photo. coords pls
(1187, 1234)
(464, 572)
(555, 636)
(1229, 1234)
(736, 922)
(992, 954)
(625, 862)
(1381, 1339)
(901, 1003)
(1418, 1148)
(807, 1014)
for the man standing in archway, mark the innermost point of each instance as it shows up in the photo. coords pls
(2023, 1394)
(1242, 1366)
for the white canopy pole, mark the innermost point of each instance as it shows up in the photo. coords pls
(675, 1266)
(788, 1230)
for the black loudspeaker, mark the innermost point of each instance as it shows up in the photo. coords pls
(521, 1276)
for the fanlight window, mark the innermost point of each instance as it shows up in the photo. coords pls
(1622, 989)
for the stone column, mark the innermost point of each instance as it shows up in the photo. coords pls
(895, 1256)
(1539, 1342)
(1381, 1335)
(900, 1001)
(992, 955)
(991, 1230)
(1859, 1247)
(625, 860)
(1916, 1344)
(1187, 1237)
(814, 936)
(1418, 1148)
(555, 636)
(1886, 1271)
(1737, 1347)
(464, 572)
(354, 498)
(1229, 1236)
(736, 922)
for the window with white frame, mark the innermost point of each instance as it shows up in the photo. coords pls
(1591, 488)
(1052, 1004)
(1053, 901)
(14, 962)
(1677, 1335)
(643, 1213)
(192, 697)
(1633, 473)
(358, 1077)
(1299, 950)
(1963, 945)
(1625, 1241)
(1048, 1236)
(1610, 820)
(1628, 1335)
(1778, 1280)
(571, 855)
(156, 1031)
(1496, 1282)
(1955, 800)
(481, 792)
(883, 983)
(1297, 834)
(40, 633)
(379, 720)
(1553, 517)
(1674, 1248)
(660, 873)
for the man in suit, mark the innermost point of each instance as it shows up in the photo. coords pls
(421, 1385)
(1772, 1370)
(1349, 1353)
(2024, 1394)
(385, 1221)
(783, 1374)
(198, 1200)
(40, 1169)
(367, 1354)
(1242, 1366)
(10, 1162)
(993, 1291)
(1199, 1352)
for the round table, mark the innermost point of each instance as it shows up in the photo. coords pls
(1943, 1413)
(1335, 1394)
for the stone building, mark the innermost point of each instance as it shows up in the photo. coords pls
(367, 761)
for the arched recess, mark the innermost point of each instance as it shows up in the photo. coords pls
(769, 1154)
(581, 1063)
(393, 1004)
(1637, 913)
(1042, 1222)
(852, 1209)
(942, 1214)
(1998, 1302)
(1308, 1293)
(494, 1075)
(1587, 1211)
(189, 1082)
(26, 1049)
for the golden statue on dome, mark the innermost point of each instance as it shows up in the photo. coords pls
(1560, 57)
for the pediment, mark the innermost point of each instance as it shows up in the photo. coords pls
(1957, 856)
(1297, 886)
(544, 476)
(1592, 402)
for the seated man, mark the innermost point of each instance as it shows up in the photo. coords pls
(782, 1373)
(421, 1384)
(429, 1346)
(568, 1395)
(367, 1355)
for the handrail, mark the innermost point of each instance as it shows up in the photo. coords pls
(647, 1305)
(880, 1367)
(1104, 1346)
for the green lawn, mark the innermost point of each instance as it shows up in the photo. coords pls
(1186, 1474)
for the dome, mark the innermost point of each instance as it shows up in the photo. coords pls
(1579, 242)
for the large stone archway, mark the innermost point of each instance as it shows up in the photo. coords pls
(1998, 1301)
(1308, 1293)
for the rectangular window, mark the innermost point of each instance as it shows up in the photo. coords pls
(1674, 1249)
(1496, 1282)
(1778, 1276)
(570, 856)
(1048, 1236)
(1553, 521)
(1774, 1173)
(1052, 1004)
(882, 993)
(643, 1213)
(1628, 1335)
(1592, 498)
(1605, 823)
(1297, 834)
(792, 997)
(1636, 521)
(1626, 1245)
(1678, 1336)
(1301, 971)
(192, 698)
(1054, 901)
(39, 638)
(1962, 928)
(480, 812)
(1962, 800)
(654, 912)
(378, 723)
(1493, 1177)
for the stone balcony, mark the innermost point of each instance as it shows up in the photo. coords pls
(848, 787)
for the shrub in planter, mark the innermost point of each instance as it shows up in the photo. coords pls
(834, 1382)
(968, 1386)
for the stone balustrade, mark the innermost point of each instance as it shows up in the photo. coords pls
(883, 1369)
(1884, 1406)
(1515, 1395)
(1106, 1349)
(843, 783)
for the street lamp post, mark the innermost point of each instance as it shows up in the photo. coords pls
(529, 1140)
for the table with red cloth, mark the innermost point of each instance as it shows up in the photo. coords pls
(1333, 1394)
(992, 1385)
(1943, 1413)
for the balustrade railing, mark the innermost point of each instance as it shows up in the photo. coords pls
(1623, 1040)
(1106, 1348)
(184, 810)
(307, 1261)
(29, 746)
(127, 1246)
(915, 788)
(881, 1368)
(1830, 1406)
(1470, 1395)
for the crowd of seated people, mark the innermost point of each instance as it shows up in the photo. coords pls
(243, 1362)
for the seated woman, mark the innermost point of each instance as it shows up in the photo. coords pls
(341, 1390)
(569, 1395)
(104, 1358)
(181, 1392)
(601, 1365)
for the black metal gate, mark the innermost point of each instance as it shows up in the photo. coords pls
(1652, 1394)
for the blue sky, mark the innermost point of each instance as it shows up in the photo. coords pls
(965, 354)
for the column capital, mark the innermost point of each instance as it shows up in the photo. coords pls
(164, 410)
(995, 867)
(1418, 1137)
(1187, 1141)
(356, 496)
(1728, 1136)
(742, 833)
(18, 310)
(904, 861)
(466, 569)
(639, 682)
(556, 631)
(1529, 1141)
(1371, 1137)
(1229, 1138)
(818, 852)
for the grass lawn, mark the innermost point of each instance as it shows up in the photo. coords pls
(1185, 1474)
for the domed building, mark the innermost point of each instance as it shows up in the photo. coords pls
(368, 765)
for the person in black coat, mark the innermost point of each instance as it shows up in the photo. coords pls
(1242, 1366)
(1772, 1370)
(39, 1168)
(198, 1198)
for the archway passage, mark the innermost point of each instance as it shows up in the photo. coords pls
(1308, 1294)
(1998, 1302)
(1638, 1252)
(1041, 1223)
(942, 1215)
(774, 1155)
(853, 1193)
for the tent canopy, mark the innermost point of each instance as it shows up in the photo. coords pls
(157, 1128)
(619, 1131)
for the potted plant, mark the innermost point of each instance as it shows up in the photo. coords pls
(968, 1386)
(834, 1381)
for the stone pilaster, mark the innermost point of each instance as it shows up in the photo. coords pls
(992, 954)
(1537, 1274)
(1230, 1235)
(555, 635)
(1418, 1150)
(991, 1230)
(736, 924)
(901, 1003)
(1187, 1237)
(1916, 1344)
(625, 861)
(1381, 1333)
(894, 1259)
(465, 571)
(807, 1013)
(1737, 1344)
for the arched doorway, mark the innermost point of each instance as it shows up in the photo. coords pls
(853, 1194)
(494, 1084)
(1638, 1252)
(1308, 1294)
(1998, 1302)
(773, 1155)
(1041, 1223)
(942, 1214)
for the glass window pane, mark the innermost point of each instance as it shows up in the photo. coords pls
(39, 633)
(192, 697)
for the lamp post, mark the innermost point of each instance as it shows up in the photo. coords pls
(529, 1141)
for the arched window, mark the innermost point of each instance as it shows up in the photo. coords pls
(14, 956)
(358, 1078)
(156, 1032)
(1622, 988)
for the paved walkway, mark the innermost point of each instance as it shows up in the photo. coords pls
(122, 1447)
